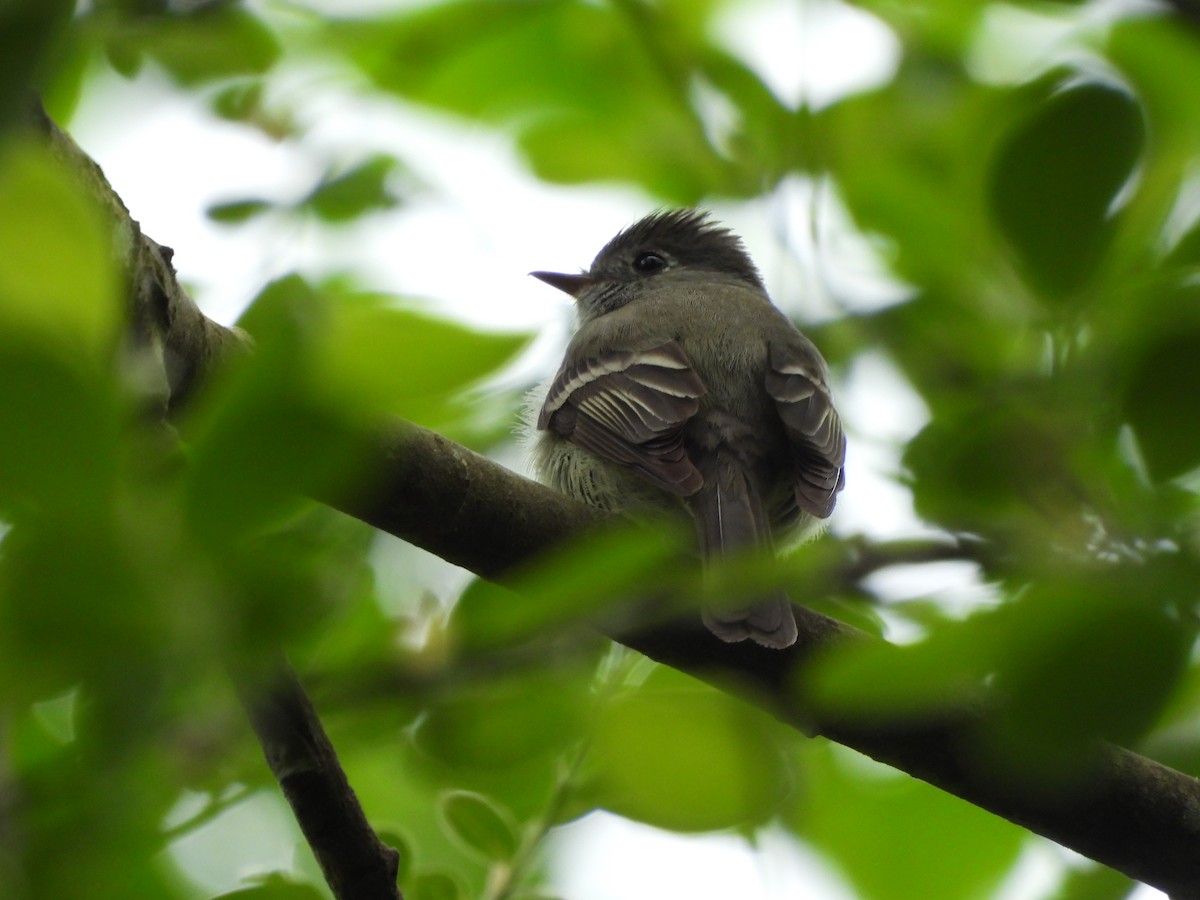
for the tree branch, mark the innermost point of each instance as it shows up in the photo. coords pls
(356, 864)
(1128, 812)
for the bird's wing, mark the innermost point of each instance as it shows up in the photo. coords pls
(630, 406)
(813, 427)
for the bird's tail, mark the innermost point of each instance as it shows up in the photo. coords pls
(731, 519)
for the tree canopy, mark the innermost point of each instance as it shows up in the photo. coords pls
(163, 535)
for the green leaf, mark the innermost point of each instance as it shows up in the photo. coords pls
(894, 836)
(1085, 658)
(403, 847)
(274, 887)
(239, 101)
(48, 632)
(880, 682)
(1157, 56)
(1080, 656)
(360, 190)
(290, 420)
(685, 759)
(900, 155)
(261, 438)
(238, 211)
(981, 463)
(521, 719)
(480, 824)
(1055, 178)
(59, 448)
(1186, 251)
(217, 40)
(1160, 392)
(1095, 883)
(29, 29)
(604, 576)
(58, 277)
(376, 355)
(590, 90)
(433, 886)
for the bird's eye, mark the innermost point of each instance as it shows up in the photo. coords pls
(649, 262)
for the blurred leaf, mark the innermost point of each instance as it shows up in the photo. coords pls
(216, 40)
(58, 435)
(598, 93)
(520, 719)
(1083, 659)
(384, 357)
(361, 189)
(238, 211)
(403, 848)
(899, 153)
(954, 348)
(896, 837)
(66, 800)
(289, 422)
(1160, 393)
(275, 887)
(433, 886)
(239, 101)
(480, 825)
(1157, 55)
(1095, 883)
(1054, 181)
(28, 30)
(880, 682)
(689, 759)
(607, 574)
(1079, 657)
(67, 597)
(247, 101)
(58, 275)
(856, 611)
(932, 30)
(264, 436)
(1186, 251)
(996, 464)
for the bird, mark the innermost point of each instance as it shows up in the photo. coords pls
(685, 389)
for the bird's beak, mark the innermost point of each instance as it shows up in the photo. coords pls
(570, 284)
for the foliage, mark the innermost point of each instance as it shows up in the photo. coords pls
(1047, 222)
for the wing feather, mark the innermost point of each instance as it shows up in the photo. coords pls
(813, 427)
(630, 406)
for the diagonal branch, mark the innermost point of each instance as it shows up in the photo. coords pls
(1129, 812)
(357, 865)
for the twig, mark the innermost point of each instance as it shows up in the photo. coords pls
(356, 864)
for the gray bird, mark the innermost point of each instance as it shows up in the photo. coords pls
(685, 388)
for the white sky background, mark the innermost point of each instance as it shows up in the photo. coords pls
(470, 241)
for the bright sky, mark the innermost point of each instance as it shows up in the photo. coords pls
(470, 242)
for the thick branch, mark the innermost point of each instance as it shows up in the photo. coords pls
(1130, 813)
